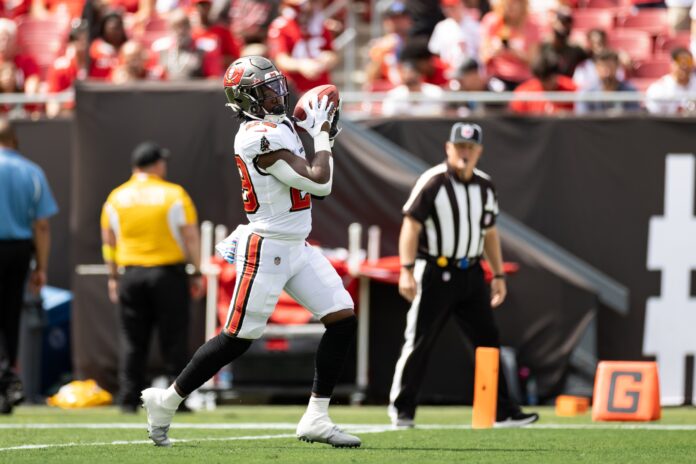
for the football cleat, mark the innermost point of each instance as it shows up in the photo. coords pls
(400, 420)
(321, 429)
(517, 419)
(158, 417)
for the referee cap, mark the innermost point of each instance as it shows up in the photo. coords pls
(466, 132)
(148, 153)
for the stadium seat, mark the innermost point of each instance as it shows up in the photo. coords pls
(593, 18)
(638, 44)
(43, 39)
(654, 68)
(651, 20)
(664, 44)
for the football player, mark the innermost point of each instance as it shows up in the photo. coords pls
(278, 182)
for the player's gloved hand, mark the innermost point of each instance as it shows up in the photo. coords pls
(335, 130)
(318, 113)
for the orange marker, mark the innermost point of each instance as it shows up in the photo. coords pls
(485, 388)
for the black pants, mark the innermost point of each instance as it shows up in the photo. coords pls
(15, 256)
(443, 293)
(151, 296)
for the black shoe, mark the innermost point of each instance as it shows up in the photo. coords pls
(5, 405)
(517, 419)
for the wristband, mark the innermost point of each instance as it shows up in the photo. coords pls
(499, 276)
(409, 265)
(322, 143)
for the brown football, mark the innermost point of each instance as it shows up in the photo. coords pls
(329, 90)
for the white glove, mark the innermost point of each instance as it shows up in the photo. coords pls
(317, 114)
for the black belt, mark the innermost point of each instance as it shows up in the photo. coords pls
(445, 262)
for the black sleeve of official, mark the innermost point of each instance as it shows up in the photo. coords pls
(420, 202)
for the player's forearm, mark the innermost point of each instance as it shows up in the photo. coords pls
(408, 240)
(192, 243)
(315, 178)
(42, 243)
(492, 250)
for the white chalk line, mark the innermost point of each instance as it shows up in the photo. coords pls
(353, 428)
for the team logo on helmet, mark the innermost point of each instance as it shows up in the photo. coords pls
(234, 75)
(467, 131)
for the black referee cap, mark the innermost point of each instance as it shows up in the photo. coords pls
(148, 153)
(466, 132)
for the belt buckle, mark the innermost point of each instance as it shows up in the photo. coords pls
(463, 263)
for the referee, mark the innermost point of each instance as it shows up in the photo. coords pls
(149, 229)
(26, 203)
(449, 223)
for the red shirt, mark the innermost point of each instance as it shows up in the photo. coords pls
(507, 65)
(13, 9)
(62, 74)
(72, 7)
(227, 44)
(104, 58)
(26, 68)
(286, 37)
(129, 6)
(564, 83)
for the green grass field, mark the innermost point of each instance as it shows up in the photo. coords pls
(265, 434)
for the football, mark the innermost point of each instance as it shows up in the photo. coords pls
(329, 90)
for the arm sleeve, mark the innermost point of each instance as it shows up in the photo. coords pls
(421, 200)
(45, 203)
(287, 175)
(491, 209)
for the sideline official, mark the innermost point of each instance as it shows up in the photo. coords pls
(26, 203)
(149, 229)
(449, 223)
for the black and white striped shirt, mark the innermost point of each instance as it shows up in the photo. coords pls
(454, 214)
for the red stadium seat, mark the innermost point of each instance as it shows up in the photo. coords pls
(638, 44)
(652, 20)
(666, 43)
(655, 68)
(42, 39)
(593, 18)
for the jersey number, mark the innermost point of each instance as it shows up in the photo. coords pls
(251, 203)
(298, 201)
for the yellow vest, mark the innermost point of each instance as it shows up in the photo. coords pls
(146, 214)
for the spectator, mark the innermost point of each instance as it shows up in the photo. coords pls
(383, 68)
(585, 75)
(569, 55)
(251, 19)
(431, 67)
(301, 45)
(673, 92)
(8, 84)
(68, 68)
(103, 52)
(455, 38)
(66, 8)
(397, 99)
(509, 40)
(14, 9)
(692, 14)
(26, 203)
(207, 27)
(181, 57)
(27, 71)
(547, 78)
(132, 65)
(469, 78)
(607, 63)
(425, 14)
(149, 226)
(678, 14)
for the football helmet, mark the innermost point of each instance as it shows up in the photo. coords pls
(251, 83)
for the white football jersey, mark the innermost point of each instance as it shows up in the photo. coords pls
(274, 209)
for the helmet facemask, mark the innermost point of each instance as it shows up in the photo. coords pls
(251, 100)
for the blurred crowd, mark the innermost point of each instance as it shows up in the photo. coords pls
(528, 46)
(428, 48)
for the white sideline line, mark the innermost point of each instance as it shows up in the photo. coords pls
(354, 428)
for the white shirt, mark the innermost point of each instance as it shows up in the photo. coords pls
(456, 42)
(667, 87)
(679, 3)
(274, 209)
(396, 102)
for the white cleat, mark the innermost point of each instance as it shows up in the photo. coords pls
(320, 429)
(158, 417)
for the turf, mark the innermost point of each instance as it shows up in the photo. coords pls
(264, 434)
